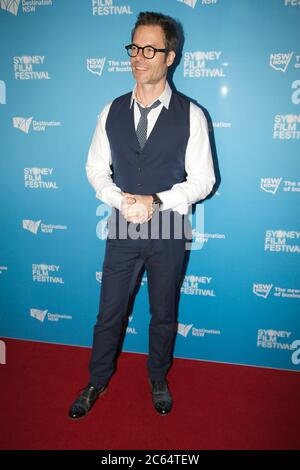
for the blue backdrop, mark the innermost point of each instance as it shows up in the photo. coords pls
(61, 61)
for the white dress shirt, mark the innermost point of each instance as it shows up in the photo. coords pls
(198, 160)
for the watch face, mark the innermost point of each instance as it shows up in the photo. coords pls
(156, 206)
(156, 200)
(157, 203)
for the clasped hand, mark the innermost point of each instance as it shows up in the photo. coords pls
(136, 208)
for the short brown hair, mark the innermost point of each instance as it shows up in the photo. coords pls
(168, 25)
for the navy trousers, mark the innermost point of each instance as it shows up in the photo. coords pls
(164, 261)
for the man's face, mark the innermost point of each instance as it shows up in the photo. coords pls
(150, 71)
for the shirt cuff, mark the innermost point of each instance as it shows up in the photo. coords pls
(111, 196)
(172, 198)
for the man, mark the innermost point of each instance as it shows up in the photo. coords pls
(149, 158)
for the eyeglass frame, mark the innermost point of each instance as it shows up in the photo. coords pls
(142, 48)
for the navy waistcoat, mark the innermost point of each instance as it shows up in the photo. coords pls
(161, 163)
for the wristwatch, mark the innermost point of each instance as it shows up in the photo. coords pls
(156, 203)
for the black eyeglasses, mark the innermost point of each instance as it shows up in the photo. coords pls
(148, 51)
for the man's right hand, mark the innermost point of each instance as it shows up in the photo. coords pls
(132, 210)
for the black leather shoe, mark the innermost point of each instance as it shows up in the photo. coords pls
(85, 401)
(161, 396)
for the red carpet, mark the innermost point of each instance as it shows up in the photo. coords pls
(217, 406)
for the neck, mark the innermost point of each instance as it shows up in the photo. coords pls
(146, 93)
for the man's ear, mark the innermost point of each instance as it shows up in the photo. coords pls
(170, 58)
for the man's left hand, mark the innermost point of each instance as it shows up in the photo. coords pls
(145, 202)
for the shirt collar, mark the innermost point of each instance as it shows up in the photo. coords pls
(165, 97)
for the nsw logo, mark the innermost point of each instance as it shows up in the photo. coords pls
(280, 62)
(96, 65)
(28, 6)
(190, 3)
(11, 6)
(183, 329)
(31, 225)
(270, 185)
(41, 315)
(38, 314)
(262, 290)
(23, 124)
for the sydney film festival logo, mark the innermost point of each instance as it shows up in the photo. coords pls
(34, 178)
(47, 273)
(282, 241)
(110, 7)
(279, 340)
(286, 127)
(197, 285)
(29, 67)
(204, 64)
(273, 339)
(291, 3)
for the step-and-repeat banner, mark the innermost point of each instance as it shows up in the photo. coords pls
(61, 61)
